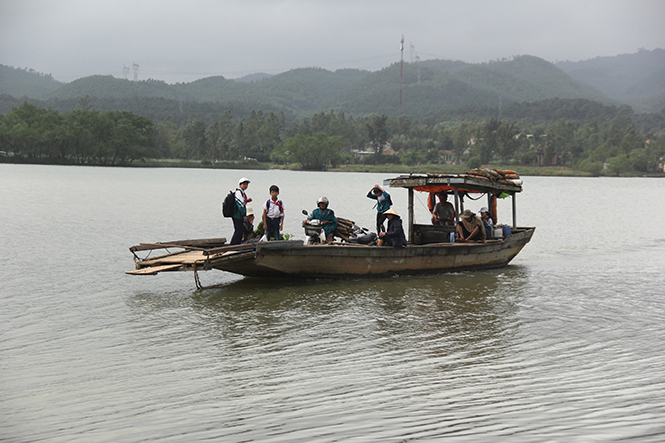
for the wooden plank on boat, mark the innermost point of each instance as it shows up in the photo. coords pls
(196, 244)
(183, 258)
(153, 270)
(235, 256)
(151, 246)
(240, 247)
(159, 257)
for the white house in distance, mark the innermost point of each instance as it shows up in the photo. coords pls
(367, 151)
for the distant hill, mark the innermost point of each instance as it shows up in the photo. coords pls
(107, 86)
(443, 86)
(637, 79)
(252, 77)
(26, 83)
(429, 89)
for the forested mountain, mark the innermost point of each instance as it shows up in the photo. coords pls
(26, 83)
(435, 88)
(637, 79)
(430, 91)
(427, 88)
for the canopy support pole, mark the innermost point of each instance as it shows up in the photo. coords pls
(514, 211)
(411, 215)
(457, 205)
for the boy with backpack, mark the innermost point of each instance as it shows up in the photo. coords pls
(273, 214)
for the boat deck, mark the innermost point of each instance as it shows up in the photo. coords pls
(194, 257)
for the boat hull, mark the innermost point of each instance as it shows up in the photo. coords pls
(342, 261)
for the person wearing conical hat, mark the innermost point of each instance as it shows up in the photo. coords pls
(394, 236)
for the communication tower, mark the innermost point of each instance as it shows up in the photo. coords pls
(415, 59)
(401, 71)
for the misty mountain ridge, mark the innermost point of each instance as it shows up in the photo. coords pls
(427, 87)
(253, 77)
(637, 79)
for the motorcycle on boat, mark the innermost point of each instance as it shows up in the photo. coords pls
(314, 228)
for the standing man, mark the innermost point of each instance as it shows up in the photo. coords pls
(240, 216)
(383, 203)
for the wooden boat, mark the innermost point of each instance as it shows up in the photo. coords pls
(429, 249)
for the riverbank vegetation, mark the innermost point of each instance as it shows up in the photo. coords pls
(523, 113)
(603, 145)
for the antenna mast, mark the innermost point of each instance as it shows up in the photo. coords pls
(401, 71)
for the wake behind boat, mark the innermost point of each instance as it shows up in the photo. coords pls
(429, 248)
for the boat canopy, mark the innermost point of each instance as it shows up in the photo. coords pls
(475, 184)
(496, 183)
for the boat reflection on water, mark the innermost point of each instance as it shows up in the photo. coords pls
(431, 316)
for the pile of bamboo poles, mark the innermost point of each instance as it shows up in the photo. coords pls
(344, 229)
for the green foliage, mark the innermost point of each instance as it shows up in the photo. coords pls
(474, 162)
(80, 137)
(377, 133)
(87, 136)
(618, 165)
(594, 168)
(316, 152)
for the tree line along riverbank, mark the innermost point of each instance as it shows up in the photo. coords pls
(333, 141)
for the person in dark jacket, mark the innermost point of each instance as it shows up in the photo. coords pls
(394, 236)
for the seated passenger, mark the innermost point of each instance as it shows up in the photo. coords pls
(248, 225)
(327, 217)
(443, 212)
(470, 228)
(394, 236)
(488, 223)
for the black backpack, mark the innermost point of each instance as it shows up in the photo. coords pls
(229, 205)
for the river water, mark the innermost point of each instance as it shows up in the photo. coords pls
(567, 343)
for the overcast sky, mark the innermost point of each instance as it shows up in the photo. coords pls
(181, 41)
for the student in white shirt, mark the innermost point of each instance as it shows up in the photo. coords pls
(273, 215)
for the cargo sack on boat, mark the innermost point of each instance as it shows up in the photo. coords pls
(229, 205)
